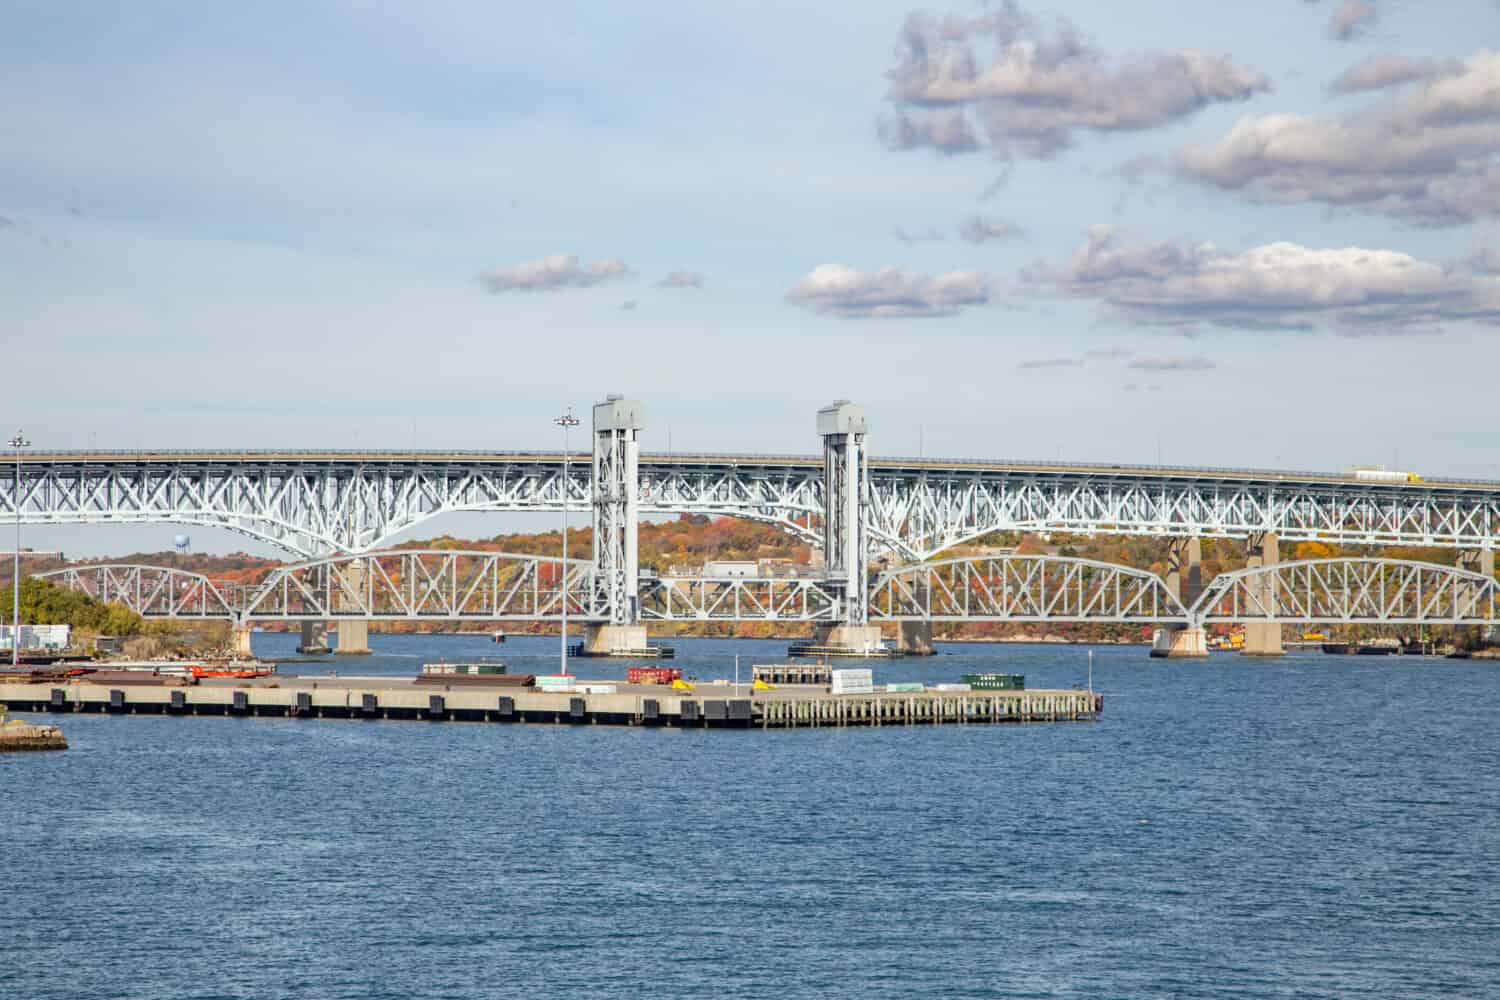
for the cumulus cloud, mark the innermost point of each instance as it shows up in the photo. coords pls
(1378, 72)
(945, 130)
(1050, 363)
(550, 273)
(982, 230)
(681, 279)
(889, 292)
(1109, 353)
(1173, 363)
(1276, 286)
(1429, 155)
(1350, 19)
(1032, 92)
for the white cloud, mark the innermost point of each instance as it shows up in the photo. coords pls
(1378, 72)
(1430, 156)
(1035, 92)
(1350, 19)
(1276, 286)
(889, 292)
(550, 273)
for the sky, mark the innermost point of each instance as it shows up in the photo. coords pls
(1213, 234)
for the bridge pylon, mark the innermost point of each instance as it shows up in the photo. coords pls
(616, 521)
(1185, 580)
(1263, 638)
(846, 495)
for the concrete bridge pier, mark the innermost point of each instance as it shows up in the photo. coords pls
(915, 639)
(1479, 561)
(240, 641)
(314, 638)
(354, 637)
(1185, 579)
(354, 633)
(614, 640)
(1263, 638)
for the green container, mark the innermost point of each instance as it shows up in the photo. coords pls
(996, 682)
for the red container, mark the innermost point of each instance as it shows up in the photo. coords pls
(652, 675)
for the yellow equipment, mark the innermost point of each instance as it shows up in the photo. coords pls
(681, 685)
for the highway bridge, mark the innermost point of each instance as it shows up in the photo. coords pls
(858, 508)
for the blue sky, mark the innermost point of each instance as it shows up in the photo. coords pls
(321, 224)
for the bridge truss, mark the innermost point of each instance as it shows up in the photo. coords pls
(434, 584)
(1022, 588)
(149, 591)
(488, 586)
(1345, 591)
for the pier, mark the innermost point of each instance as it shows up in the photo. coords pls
(711, 706)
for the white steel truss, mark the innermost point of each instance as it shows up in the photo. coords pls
(453, 585)
(433, 584)
(1341, 591)
(798, 599)
(149, 591)
(317, 504)
(1022, 588)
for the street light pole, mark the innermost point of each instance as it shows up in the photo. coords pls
(18, 442)
(567, 422)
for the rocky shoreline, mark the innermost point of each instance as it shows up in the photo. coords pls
(17, 736)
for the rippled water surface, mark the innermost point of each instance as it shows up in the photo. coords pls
(1310, 827)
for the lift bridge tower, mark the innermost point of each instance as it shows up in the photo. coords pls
(846, 496)
(616, 515)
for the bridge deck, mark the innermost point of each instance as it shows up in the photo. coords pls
(810, 462)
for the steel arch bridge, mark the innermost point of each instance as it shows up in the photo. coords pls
(149, 591)
(1348, 591)
(1022, 588)
(440, 584)
(317, 503)
(451, 585)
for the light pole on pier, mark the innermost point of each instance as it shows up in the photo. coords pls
(567, 422)
(18, 442)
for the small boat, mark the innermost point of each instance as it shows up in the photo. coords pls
(1337, 648)
(498, 636)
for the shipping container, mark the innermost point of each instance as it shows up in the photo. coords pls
(995, 682)
(652, 675)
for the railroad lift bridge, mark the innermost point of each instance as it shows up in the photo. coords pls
(880, 523)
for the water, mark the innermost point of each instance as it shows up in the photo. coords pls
(1309, 827)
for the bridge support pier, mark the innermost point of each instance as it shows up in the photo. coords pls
(1263, 638)
(915, 639)
(240, 641)
(1479, 561)
(314, 638)
(353, 595)
(1185, 579)
(354, 637)
(614, 640)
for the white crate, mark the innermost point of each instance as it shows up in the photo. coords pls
(855, 681)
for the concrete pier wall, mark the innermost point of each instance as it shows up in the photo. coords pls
(1263, 638)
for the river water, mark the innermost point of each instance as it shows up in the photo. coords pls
(1309, 827)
